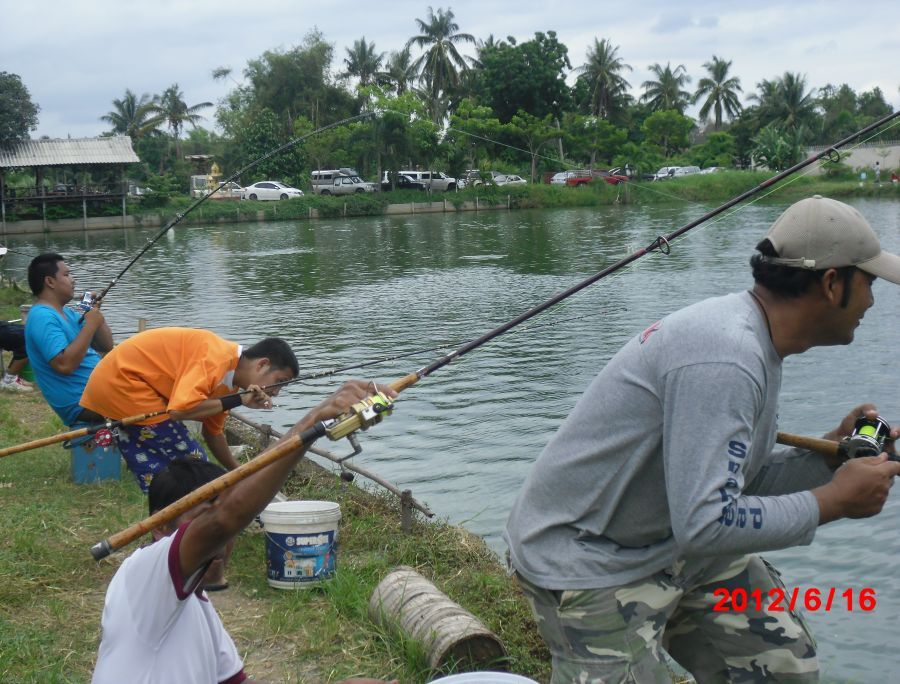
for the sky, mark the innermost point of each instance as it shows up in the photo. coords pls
(76, 57)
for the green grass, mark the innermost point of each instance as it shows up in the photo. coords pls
(51, 591)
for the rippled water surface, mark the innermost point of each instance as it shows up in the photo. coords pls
(463, 439)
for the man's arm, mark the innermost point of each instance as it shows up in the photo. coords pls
(256, 398)
(70, 358)
(102, 341)
(219, 448)
(237, 506)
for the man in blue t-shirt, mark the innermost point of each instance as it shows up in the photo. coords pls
(62, 351)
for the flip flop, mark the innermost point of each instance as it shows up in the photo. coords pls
(222, 586)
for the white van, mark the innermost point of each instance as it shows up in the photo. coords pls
(435, 180)
(687, 170)
(339, 182)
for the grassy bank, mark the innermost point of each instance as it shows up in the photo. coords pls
(711, 188)
(51, 591)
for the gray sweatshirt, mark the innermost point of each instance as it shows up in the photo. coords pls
(668, 456)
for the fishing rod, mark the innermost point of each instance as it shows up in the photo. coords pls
(95, 429)
(175, 220)
(373, 409)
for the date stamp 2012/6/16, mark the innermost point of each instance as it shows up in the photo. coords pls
(779, 599)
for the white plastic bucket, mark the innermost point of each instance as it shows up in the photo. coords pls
(484, 678)
(301, 542)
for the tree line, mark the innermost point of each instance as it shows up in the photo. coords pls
(508, 107)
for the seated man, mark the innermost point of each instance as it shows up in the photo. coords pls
(63, 345)
(12, 338)
(183, 371)
(168, 631)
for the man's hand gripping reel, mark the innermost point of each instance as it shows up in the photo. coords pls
(867, 439)
(370, 411)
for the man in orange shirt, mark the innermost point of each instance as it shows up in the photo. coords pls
(185, 372)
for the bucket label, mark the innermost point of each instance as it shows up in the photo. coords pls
(300, 557)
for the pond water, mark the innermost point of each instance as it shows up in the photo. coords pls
(346, 291)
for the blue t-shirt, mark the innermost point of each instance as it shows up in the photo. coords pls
(47, 333)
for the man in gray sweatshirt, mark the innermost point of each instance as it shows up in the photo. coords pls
(639, 523)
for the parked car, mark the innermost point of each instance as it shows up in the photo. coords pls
(402, 182)
(468, 178)
(270, 190)
(578, 179)
(229, 190)
(686, 170)
(559, 178)
(711, 169)
(610, 177)
(510, 179)
(665, 172)
(436, 180)
(339, 182)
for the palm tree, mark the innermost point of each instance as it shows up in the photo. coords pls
(172, 109)
(785, 102)
(601, 72)
(363, 62)
(666, 91)
(400, 72)
(797, 105)
(440, 64)
(719, 90)
(133, 116)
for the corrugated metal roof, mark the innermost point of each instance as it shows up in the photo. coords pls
(68, 152)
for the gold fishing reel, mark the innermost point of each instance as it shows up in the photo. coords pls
(361, 416)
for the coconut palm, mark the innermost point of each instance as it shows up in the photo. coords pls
(400, 72)
(785, 102)
(440, 64)
(602, 74)
(719, 90)
(363, 62)
(172, 109)
(666, 91)
(133, 116)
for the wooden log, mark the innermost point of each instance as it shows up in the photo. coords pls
(404, 601)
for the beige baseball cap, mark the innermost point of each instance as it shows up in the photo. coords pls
(819, 233)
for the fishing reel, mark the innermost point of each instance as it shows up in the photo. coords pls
(361, 416)
(867, 439)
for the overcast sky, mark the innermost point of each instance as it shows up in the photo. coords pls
(75, 57)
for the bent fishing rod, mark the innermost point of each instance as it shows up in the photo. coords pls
(179, 217)
(372, 410)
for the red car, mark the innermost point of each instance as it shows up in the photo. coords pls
(576, 179)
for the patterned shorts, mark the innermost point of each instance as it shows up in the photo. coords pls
(618, 634)
(147, 449)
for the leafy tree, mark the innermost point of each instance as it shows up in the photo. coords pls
(778, 149)
(294, 83)
(642, 158)
(475, 129)
(528, 77)
(719, 90)
(441, 63)
(602, 75)
(534, 133)
(666, 92)
(669, 129)
(592, 138)
(363, 62)
(839, 106)
(18, 114)
(718, 150)
(133, 116)
(872, 105)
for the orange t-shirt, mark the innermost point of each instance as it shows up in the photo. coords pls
(164, 369)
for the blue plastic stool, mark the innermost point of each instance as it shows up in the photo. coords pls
(92, 463)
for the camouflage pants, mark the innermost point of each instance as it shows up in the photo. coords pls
(617, 634)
